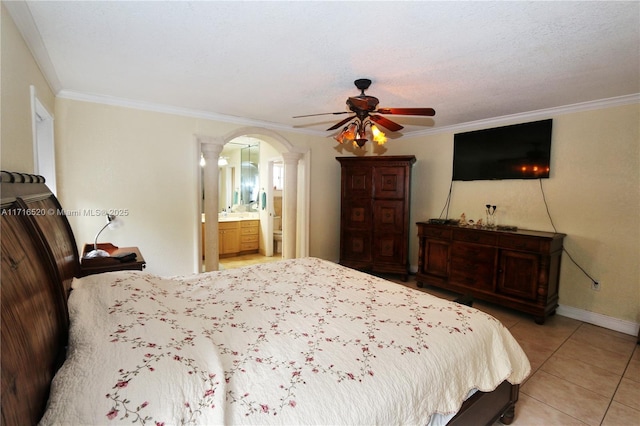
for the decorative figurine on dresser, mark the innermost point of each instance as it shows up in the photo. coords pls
(374, 222)
(519, 269)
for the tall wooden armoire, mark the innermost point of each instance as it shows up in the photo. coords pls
(374, 223)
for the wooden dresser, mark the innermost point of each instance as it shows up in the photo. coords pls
(374, 221)
(516, 269)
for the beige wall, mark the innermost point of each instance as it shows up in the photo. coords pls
(147, 162)
(593, 196)
(18, 71)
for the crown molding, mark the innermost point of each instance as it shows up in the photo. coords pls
(531, 115)
(462, 127)
(22, 17)
(168, 109)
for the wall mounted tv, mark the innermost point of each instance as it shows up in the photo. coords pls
(520, 151)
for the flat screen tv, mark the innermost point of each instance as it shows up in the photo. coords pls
(520, 151)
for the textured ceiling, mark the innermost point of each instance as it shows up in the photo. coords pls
(261, 63)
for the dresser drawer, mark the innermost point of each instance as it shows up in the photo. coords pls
(478, 276)
(475, 236)
(477, 253)
(517, 242)
(436, 232)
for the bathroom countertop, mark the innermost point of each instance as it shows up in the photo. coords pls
(236, 217)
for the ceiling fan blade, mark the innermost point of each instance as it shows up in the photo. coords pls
(386, 123)
(346, 120)
(322, 113)
(408, 111)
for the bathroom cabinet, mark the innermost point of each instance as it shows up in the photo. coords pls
(249, 236)
(228, 238)
(236, 237)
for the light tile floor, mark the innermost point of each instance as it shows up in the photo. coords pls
(581, 374)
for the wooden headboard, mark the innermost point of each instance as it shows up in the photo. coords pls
(39, 261)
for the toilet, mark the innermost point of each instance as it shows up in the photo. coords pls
(277, 223)
(277, 241)
(277, 235)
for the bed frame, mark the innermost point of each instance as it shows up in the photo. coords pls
(39, 261)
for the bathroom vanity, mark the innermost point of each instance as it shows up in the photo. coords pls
(238, 234)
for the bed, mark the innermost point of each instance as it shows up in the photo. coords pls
(301, 341)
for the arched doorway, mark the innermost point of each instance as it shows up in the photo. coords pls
(296, 191)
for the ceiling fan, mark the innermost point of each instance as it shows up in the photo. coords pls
(366, 112)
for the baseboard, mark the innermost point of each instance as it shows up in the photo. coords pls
(623, 326)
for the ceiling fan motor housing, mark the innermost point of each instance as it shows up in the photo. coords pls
(362, 84)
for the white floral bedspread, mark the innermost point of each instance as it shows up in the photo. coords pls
(301, 341)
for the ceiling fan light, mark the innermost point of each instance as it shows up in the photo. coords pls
(378, 135)
(340, 136)
(350, 132)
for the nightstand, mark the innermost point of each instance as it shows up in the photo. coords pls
(98, 265)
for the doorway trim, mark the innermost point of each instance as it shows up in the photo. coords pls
(44, 153)
(280, 144)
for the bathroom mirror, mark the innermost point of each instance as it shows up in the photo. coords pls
(249, 176)
(239, 174)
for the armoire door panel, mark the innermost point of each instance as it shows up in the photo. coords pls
(387, 247)
(357, 215)
(356, 246)
(389, 182)
(389, 216)
(358, 182)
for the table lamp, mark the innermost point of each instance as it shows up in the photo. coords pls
(96, 252)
